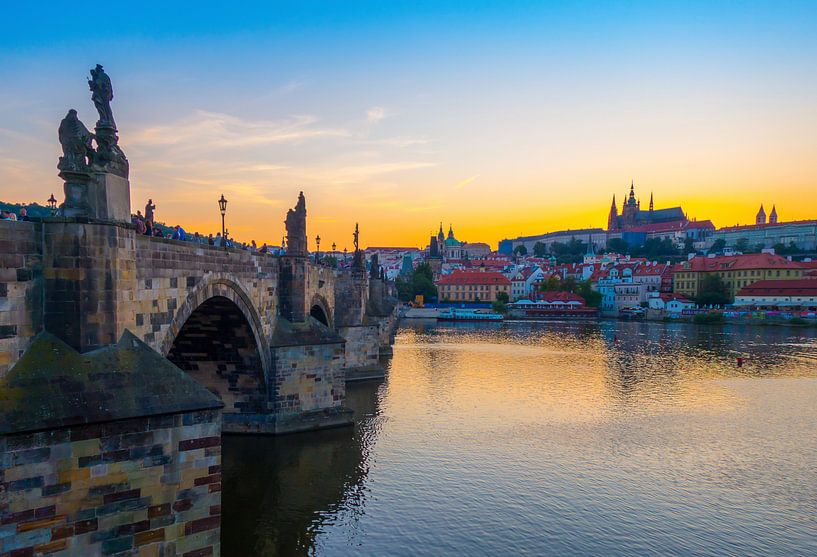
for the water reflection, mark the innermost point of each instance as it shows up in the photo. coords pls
(279, 492)
(561, 438)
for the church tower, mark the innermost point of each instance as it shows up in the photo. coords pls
(612, 218)
(773, 215)
(652, 206)
(630, 209)
(761, 216)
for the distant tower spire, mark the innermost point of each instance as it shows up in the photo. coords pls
(773, 215)
(612, 217)
(651, 203)
(761, 216)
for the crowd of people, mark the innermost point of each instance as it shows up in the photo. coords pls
(146, 225)
(11, 215)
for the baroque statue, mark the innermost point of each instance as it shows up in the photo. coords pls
(102, 95)
(374, 270)
(296, 228)
(110, 157)
(357, 260)
(75, 139)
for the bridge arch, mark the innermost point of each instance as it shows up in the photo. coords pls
(217, 337)
(319, 309)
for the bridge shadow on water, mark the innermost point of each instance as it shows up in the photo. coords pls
(280, 492)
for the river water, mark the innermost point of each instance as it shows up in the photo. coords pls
(609, 438)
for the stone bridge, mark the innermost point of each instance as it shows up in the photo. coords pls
(275, 337)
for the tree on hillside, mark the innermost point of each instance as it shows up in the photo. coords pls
(419, 282)
(552, 284)
(654, 248)
(520, 250)
(713, 291)
(539, 249)
(617, 245)
(717, 245)
(591, 297)
(742, 245)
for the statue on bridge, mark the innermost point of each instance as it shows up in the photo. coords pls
(296, 228)
(102, 95)
(75, 139)
(374, 268)
(357, 260)
(110, 157)
(75, 165)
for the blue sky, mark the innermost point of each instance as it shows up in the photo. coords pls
(503, 118)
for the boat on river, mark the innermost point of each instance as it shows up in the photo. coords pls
(454, 314)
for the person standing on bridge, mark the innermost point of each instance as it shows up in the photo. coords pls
(149, 208)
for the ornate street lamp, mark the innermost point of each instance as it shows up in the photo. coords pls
(318, 249)
(344, 256)
(334, 247)
(52, 204)
(222, 205)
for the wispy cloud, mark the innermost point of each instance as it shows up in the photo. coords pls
(462, 183)
(214, 129)
(375, 114)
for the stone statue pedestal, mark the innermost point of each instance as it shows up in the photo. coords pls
(109, 197)
(77, 192)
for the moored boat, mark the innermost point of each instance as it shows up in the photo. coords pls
(454, 314)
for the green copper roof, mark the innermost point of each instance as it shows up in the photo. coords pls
(53, 385)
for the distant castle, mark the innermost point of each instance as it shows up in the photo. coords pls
(632, 217)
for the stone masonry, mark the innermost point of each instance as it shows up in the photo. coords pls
(97, 457)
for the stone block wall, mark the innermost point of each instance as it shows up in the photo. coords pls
(171, 274)
(309, 377)
(20, 289)
(89, 279)
(362, 347)
(351, 295)
(144, 486)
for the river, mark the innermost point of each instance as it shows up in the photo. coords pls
(609, 438)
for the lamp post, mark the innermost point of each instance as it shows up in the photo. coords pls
(344, 257)
(318, 249)
(52, 204)
(222, 205)
(333, 248)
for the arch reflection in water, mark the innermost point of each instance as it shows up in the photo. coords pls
(280, 492)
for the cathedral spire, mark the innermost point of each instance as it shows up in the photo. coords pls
(612, 217)
(773, 215)
(761, 216)
(651, 203)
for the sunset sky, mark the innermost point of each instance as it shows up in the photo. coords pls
(502, 118)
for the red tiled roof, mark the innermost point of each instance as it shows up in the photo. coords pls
(766, 225)
(672, 226)
(796, 287)
(737, 262)
(643, 270)
(474, 277)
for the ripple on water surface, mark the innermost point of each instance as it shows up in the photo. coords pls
(607, 438)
